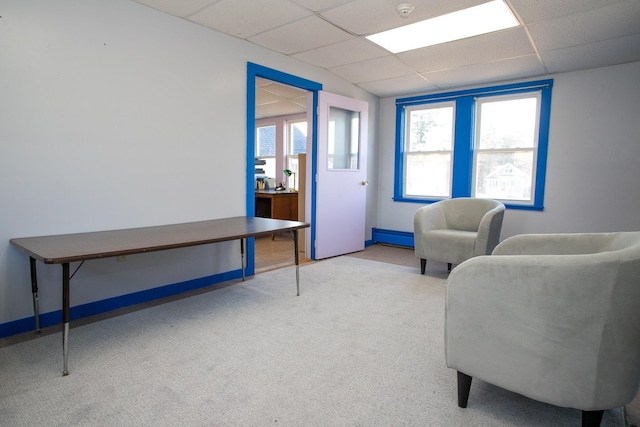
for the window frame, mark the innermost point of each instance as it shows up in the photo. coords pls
(290, 157)
(537, 95)
(464, 137)
(265, 124)
(282, 156)
(407, 132)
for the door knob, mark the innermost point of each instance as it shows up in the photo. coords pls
(365, 182)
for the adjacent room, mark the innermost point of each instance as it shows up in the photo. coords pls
(320, 212)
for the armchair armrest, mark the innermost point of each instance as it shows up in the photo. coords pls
(489, 231)
(552, 244)
(429, 217)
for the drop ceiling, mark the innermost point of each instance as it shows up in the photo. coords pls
(275, 99)
(554, 36)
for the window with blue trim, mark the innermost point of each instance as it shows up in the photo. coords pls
(488, 142)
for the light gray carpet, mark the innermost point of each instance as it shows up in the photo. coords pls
(361, 346)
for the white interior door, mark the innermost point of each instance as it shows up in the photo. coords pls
(341, 175)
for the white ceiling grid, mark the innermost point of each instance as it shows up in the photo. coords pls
(554, 36)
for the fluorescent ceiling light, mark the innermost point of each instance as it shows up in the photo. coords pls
(481, 19)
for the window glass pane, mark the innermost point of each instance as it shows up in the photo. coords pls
(292, 165)
(508, 123)
(429, 174)
(297, 137)
(266, 141)
(431, 129)
(270, 167)
(344, 139)
(504, 175)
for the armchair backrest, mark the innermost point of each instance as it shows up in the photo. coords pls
(466, 213)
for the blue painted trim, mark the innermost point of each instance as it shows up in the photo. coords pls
(253, 71)
(507, 205)
(393, 237)
(368, 243)
(314, 172)
(257, 70)
(543, 146)
(97, 307)
(464, 136)
(463, 147)
(250, 200)
(399, 160)
(483, 91)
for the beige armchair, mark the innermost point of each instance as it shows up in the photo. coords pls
(553, 317)
(455, 230)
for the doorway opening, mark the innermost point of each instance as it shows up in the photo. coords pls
(272, 97)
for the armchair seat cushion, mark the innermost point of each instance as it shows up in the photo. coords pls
(452, 246)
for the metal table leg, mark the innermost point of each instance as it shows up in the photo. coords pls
(34, 290)
(65, 317)
(294, 234)
(242, 257)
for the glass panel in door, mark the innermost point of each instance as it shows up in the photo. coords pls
(342, 149)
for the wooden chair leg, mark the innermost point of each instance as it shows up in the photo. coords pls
(423, 265)
(464, 386)
(591, 418)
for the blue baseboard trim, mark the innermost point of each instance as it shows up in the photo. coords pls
(392, 237)
(97, 307)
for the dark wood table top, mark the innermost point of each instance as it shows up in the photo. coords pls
(275, 193)
(64, 248)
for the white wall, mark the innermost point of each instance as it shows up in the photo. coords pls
(593, 173)
(114, 115)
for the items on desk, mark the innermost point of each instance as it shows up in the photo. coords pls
(262, 183)
(288, 173)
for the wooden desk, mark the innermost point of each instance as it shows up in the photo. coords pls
(66, 248)
(277, 204)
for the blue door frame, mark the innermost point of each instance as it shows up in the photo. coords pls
(253, 71)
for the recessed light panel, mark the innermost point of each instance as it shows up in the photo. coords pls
(485, 18)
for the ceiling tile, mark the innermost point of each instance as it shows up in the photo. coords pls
(593, 55)
(245, 18)
(342, 53)
(177, 8)
(538, 10)
(282, 108)
(264, 97)
(595, 25)
(263, 82)
(374, 69)
(318, 5)
(277, 99)
(364, 17)
(283, 91)
(305, 34)
(485, 48)
(398, 86)
(526, 66)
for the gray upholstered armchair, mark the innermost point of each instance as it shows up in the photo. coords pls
(455, 230)
(552, 317)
